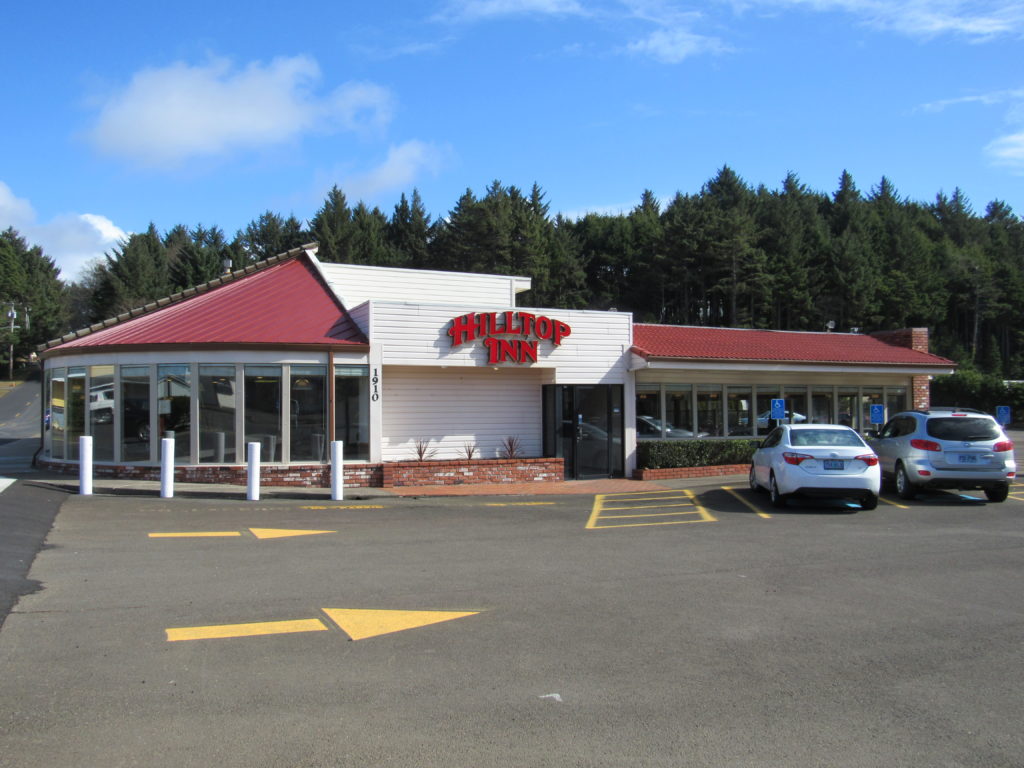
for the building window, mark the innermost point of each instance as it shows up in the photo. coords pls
(849, 409)
(740, 411)
(308, 413)
(58, 412)
(870, 396)
(709, 409)
(174, 407)
(648, 413)
(263, 409)
(218, 406)
(75, 412)
(352, 410)
(895, 400)
(134, 404)
(679, 407)
(821, 405)
(101, 411)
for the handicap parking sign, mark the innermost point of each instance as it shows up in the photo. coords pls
(778, 408)
(1003, 414)
(877, 414)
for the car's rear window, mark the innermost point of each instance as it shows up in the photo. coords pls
(810, 437)
(962, 428)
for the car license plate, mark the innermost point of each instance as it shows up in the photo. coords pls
(833, 463)
(966, 458)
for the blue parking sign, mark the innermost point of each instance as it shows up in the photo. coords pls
(778, 408)
(1003, 414)
(877, 414)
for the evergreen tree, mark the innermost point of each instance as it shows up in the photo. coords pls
(332, 228)
(409, 232)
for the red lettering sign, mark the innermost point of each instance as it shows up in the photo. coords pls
(488, 326)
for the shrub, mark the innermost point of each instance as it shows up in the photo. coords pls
(662, 454)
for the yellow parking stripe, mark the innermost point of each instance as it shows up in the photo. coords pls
(195, 535)
(894, 503)
(632, 503)
(753, 507)
(245, 630)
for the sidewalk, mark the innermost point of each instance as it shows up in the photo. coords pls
(103, 486)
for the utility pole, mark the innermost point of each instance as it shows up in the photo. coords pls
(12, 315)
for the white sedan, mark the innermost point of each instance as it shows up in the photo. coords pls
(821, 460)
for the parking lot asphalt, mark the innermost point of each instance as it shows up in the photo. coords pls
(693, 625)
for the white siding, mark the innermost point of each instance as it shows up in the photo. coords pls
(355, 284)
(597, 350)
(452, 407)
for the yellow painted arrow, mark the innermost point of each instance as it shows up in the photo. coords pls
(361, 624)
(357, 624)
(259, 533)
(282, 533)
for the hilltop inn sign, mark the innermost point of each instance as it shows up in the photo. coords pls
(399, 364)
(488, 326)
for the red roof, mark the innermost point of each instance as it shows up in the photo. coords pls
(284, 304)
(698, 343)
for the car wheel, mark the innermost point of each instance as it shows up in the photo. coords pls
(778, 500)
(753, 481)
(904, 488)
(869, 502)
(999, 493)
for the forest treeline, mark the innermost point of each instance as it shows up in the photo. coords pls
(730, 255)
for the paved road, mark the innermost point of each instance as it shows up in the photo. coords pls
(732, 636)
(19, 427)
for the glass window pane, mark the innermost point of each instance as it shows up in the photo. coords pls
(740, 410)
(796, 404)
(263, 409)
(217, 406)
(895, 400)
(309, 413)
(821, 405)
(75, 411)
(58, 412)
(848, 409)
(709, 409)
(765, 395)
(648, 412)
(101, 411)
(174, 406)
(352, 410)
(134, 404)
(678, 411)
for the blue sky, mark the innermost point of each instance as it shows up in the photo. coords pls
(118, 114)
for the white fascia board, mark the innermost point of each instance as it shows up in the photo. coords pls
(677, 365)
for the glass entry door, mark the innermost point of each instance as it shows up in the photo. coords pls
(583, 425)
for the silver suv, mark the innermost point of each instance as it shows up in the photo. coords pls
(946, 448)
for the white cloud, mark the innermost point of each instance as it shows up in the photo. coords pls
(478, 10)
(167, 115)
(404, 164)
(71, 240)
(1008, 151)
(671, 45)
(977, 19)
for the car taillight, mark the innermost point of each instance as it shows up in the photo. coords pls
(869, 458)
(925, 445)
(795, 458)
(1006, 445)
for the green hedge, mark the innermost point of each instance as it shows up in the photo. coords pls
(662, 454)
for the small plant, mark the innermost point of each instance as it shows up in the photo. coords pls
(422, 450)
(511, 447)
(470, 450)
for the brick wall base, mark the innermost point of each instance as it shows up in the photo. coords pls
(387, 475)
(673, 473)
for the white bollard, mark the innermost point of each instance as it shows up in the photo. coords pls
(253, 493)
(85, 465)
(337, 470)
(167, 468)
